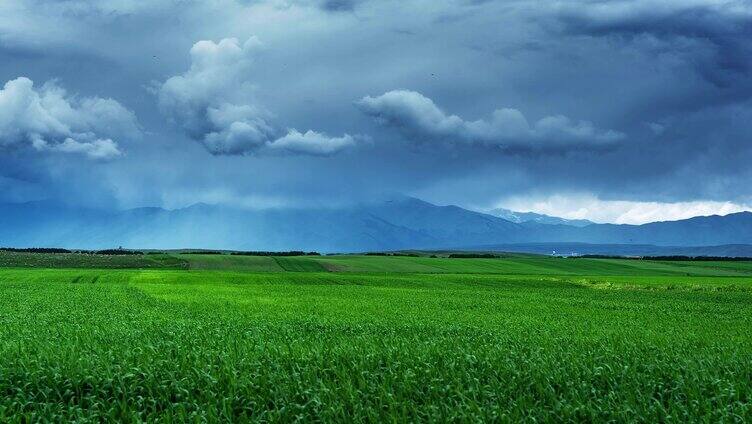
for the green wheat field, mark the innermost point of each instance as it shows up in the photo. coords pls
(195, 338)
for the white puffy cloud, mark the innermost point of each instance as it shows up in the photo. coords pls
(231, 129)
(48, 119)
(311, 143)
(418, 118)
(96, 149)
(213, 103)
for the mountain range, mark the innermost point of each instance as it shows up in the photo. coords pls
(399, 223)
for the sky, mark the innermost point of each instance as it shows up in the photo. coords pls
(615, 111)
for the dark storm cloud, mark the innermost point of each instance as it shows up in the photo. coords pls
(664, 85)
(713, 36)
(338, 5)
(698, 140)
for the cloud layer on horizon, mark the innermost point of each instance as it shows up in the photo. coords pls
(584, 206)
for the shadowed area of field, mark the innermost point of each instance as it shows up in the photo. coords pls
(514, 264)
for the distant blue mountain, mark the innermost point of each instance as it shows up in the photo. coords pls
(400, 223)
(712, 230)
